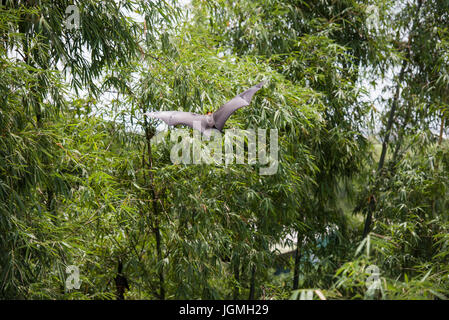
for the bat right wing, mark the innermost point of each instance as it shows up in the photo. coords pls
(226, 110)
(173, 118)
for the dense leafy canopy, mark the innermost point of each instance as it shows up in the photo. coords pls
(362, 181)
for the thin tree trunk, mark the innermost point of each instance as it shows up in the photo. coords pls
(159, 258)
(252, 285)
(401, 136)
(121, 283)
(157, 231)
(156, 226)
(297, 261)
(371, 206)
(369, 215)
(440, 139)
(237, 279)
(391, 117)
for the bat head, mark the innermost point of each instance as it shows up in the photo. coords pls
(210, 119)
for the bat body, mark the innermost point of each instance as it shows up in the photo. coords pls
(212, 121)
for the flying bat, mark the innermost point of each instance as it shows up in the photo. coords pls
(210, 121)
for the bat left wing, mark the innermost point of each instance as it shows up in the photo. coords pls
(173, 118)
(226, 110)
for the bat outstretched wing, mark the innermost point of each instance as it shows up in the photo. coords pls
(173, 118)
(226, 110)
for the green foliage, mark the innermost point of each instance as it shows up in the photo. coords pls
(81, 184)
